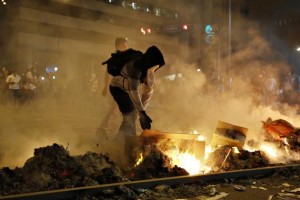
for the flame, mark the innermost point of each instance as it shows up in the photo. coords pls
(200, 137)
(269, 150)
(285, 141)
(208, 150)
(140, 159)
(235, 150)
(189, 162)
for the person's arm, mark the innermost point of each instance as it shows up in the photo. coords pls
(147, 89)
(134, 93)
(107, 80)
(133, 86)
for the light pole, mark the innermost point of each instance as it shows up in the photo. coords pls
(229, 35)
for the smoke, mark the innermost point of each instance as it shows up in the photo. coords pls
(199, 100)
(195, 100)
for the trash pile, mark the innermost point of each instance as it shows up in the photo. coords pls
(156, 165)
(229, 158)
(53, 168)
(282, 132)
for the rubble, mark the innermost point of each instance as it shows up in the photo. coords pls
(227, 134)
(53, 168)
(282, 131)
(225, 159)
(156, 165)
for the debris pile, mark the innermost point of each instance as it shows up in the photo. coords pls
(282, 132)
(52, 168)
(228, 158)
(156, 165)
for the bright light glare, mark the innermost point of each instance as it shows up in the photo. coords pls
(55, 68)
(298, 49)
(269, 150)
(187, 161)
(143, 31)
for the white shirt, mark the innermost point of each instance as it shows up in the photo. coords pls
(13, 81)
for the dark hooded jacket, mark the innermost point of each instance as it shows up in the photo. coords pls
(135, 72)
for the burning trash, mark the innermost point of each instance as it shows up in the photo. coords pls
(228, 158)
(157, 155)
(229, 135)
(183, 150)
(282, 131)
(156, 165)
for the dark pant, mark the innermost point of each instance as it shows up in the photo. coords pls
(128, 111)
(127, 131)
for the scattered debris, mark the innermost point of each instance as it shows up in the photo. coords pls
(282, 131)
(227, 159)
(239, 188)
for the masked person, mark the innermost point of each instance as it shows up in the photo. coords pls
(132, 69)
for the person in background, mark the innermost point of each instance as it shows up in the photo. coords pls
(30, 87)
(121, 44)
(13, 82)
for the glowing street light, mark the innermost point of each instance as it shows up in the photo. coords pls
(184, 27)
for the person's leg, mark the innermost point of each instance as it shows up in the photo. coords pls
(128, 112)
(109, 116)
(127, 130)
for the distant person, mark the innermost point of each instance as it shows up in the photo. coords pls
(131, 69)
(121, 44)
(93, 86)
(13, 82)
(30, 87)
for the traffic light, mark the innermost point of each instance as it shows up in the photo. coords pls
(211, 33)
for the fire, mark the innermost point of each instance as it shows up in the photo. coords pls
(185, 160)
(235, 150)
(208, 150)
(269, 150)
(140, 159)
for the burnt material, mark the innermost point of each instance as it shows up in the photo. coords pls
(156, 165)
(225, 159)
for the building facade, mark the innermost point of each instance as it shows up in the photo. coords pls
(79, 35)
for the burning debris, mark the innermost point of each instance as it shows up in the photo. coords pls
(156, 165)
(228, 158)
(283, 132)
(159, 155)
(229, 135)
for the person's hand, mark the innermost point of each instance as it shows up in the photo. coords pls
(145, 120)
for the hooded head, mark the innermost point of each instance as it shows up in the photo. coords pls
(150, 58)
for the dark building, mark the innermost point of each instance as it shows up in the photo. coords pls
(78, 35)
